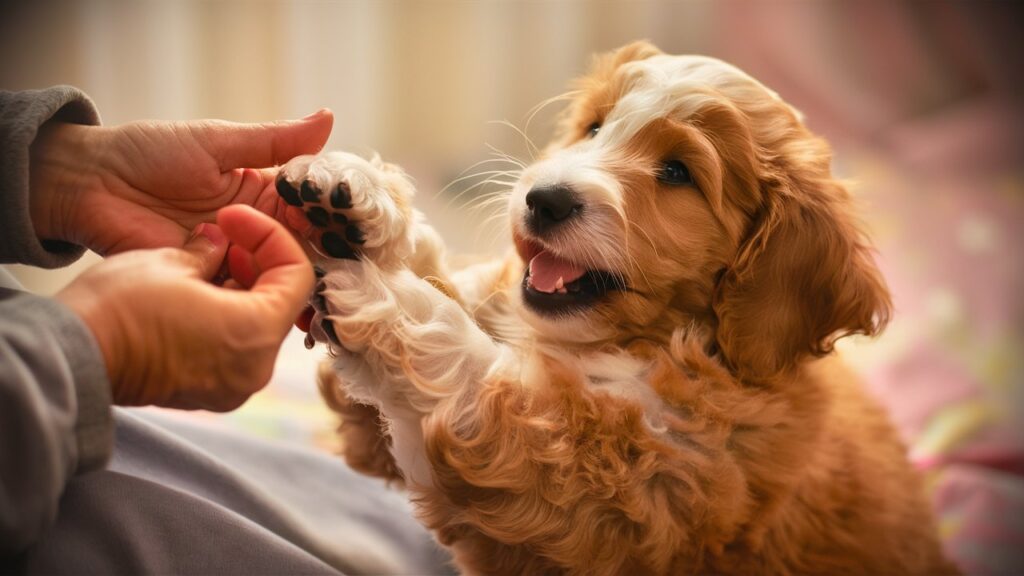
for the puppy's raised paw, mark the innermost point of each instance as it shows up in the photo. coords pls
(358, 209)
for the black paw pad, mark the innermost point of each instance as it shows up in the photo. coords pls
(309, 192)
(336, 247)
(341, 196)
(287, 192)
(318, 216)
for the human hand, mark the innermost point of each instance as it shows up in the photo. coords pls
(148, 184)
(171, 338)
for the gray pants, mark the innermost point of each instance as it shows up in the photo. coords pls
(178, 498)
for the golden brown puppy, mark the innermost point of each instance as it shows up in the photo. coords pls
(646, 386)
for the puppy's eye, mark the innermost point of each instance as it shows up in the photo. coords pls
(593, 129)
(674, 173)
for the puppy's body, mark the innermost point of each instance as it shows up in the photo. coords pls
(643, 387)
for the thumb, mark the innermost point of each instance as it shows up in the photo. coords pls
(207, 247)
(236, 145)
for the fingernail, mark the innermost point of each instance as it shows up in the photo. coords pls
(211, 232)
(195, 232)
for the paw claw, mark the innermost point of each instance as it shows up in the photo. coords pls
(354, 234)
(288, 193)
(318, 301)
(328, 329)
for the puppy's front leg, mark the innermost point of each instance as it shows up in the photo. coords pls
(404, 346)
(385, 303)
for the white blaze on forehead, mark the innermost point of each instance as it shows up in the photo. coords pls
(675, 87)
(662, 86)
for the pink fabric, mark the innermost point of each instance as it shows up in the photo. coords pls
(928, 118)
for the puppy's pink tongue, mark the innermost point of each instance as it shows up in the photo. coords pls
(546, 269)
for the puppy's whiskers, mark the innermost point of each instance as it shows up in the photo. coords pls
(497, 153)
(531, 148)
(493, 179)
(464, 175)
(496, 203)
(563, 97)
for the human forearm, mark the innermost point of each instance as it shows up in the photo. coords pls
(21, 116)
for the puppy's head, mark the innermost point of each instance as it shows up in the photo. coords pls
(679, 190)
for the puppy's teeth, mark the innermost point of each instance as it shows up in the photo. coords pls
(560, 285)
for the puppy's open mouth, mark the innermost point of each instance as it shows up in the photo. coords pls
(555, 285)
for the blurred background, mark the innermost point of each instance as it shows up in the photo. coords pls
(921, 100)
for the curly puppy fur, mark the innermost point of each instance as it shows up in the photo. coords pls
(694, 420)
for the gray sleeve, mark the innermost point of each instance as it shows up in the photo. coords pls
(54, 394)
(21, 115)
(55, 417)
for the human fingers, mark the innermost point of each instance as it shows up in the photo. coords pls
(285, 274)
(205, 250)
(235, 145)
(296, 219)
(242, 267)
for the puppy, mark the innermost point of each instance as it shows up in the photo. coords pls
(646, 385)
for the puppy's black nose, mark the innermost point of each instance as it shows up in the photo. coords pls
(550, 205)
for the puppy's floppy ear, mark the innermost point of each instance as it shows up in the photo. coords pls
(803, 279)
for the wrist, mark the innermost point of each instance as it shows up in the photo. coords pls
(103, 322)
(62, 166)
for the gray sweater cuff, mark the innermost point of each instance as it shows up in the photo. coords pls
(70, 367)
(21, 115)
(94, 427)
